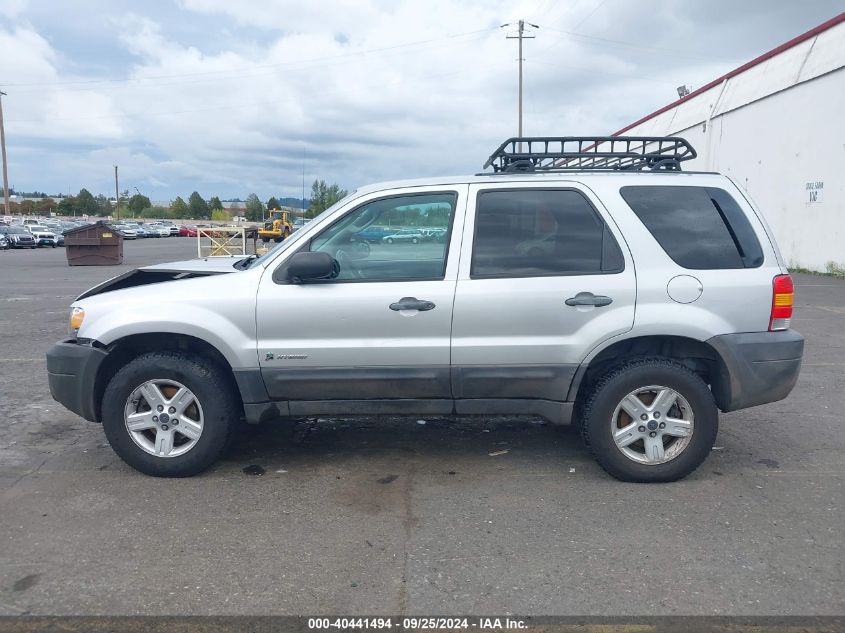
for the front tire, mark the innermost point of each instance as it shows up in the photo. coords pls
(650, 420)
(168, 414)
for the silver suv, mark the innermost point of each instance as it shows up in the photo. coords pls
(583, 280)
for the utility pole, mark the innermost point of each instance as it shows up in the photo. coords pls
(3, 151)
(116, 196)
(521, 35)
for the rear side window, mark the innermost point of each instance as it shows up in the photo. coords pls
(535, 232)
(698, 227)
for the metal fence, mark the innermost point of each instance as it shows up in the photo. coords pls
(221, 241)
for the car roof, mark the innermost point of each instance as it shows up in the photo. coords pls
(627, 177)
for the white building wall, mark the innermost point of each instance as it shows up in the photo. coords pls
(778, 129)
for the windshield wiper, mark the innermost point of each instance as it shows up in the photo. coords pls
(243, 264)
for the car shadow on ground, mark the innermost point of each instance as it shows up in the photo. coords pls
(308, 442)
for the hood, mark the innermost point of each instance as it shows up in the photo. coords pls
(160, 273)
(206, 265)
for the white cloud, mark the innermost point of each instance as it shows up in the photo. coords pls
(227, 97)
(12, 8)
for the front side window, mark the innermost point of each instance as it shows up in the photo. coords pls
(533, 232)
(396, 238)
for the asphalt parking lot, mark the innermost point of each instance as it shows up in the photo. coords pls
(390, 516)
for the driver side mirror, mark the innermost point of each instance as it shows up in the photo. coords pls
(308, 266)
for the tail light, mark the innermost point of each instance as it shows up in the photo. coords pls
(782, 295)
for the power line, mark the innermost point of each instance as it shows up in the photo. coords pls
(590, 14)
(240, 71)
(642, 47)
(240, 105)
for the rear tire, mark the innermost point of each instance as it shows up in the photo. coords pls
(665, 392)
(212, 414)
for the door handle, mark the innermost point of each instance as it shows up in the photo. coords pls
(412, 303)
(589, 299)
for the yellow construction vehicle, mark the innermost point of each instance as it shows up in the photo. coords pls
(277, 227)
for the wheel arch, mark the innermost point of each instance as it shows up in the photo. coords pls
(698, 356)
(127, 348)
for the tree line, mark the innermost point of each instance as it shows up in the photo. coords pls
(195, 208)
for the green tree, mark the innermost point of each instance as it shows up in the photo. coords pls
(215, 205)
(45, 206)
(104, 206)
(323, 196)
(198, 207)
(68, 206)
(156, 213)
(86, 203)
(179, 208)
(254, 208)
(138, 203)
(219, 215)
(273, 204)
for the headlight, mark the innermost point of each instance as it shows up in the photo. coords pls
(77, 315)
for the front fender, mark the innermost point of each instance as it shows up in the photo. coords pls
(219, 310)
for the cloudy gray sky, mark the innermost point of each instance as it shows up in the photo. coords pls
(230, 97)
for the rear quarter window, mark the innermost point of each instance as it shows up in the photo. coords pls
(698, 227)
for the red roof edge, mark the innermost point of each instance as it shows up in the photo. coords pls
(824, 26)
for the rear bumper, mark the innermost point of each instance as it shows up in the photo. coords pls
(72, 373)
(757, 367)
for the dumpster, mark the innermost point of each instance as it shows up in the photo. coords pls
(97, 244)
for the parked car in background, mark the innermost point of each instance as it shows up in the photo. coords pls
(405, 235)
(19, 237)
(188, 231)
(371, 234)
(174, 230)
(4, 243)
(127, 232)
(434, 235)
(43, 235)
(140, 230)
(157, 230)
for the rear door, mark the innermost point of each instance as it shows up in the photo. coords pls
(544, 277)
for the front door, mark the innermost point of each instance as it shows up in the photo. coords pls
(541, 283)
(380, 329)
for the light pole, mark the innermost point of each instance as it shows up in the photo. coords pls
(3, 151)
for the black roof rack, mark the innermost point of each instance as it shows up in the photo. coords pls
(577, 153)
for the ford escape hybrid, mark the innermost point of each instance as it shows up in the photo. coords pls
(583, 280)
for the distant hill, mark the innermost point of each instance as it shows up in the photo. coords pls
(296, 203)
